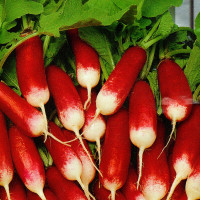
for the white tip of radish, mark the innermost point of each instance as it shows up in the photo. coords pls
(192, 187)
(6, 187)
(154, 189)
(106, 102)
(41, 195)
(88, 101)
(36, 96)
(141, 151)
(113, 192)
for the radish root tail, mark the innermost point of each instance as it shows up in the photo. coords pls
(6, 187)
(141, 151)
(45, 119)
(41, 195)
(88, 101)
(98, 149)
(113, 194)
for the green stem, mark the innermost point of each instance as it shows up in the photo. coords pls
(103, 68)
(44, 157)
(196, 93)
(12, 48)
(25, 22)
(178, 51)
(151, 42)
(72, 64)
(161, 50)
(143, 72)
(183, 29)
(46, 44)
(120, 45)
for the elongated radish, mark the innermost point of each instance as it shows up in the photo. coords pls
(175, 92)
(47, 192)
(27, 161)
(17, 190)
(186, 148)
(116, 152)
(87, 63)
(97, 130)
(31, 73)
(142, 119)
(193, 182)
(68, 102)
(129, 189)
(65, 158)
(6, 165)
(115, 90)
(63, 188)
(88, 171)
(102, 194)
(155, 181)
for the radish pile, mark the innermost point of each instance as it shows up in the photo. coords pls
(103, 131)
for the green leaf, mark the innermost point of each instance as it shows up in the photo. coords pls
(197, 26)
(192, 69)
(153, 8)
(181, 62)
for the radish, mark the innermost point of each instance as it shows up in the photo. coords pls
(115, 90)
(175, 93)
(31, 73)
(155, 181)
(116, 152)
(142, 119)
(27, 161)
(48, 193)
(97, 130)
(65, 158)
(102, 194)
(63, 188)
(186, 148)
(129, 189)
(6, 165)
(87, 63)
(21, 113)
(17, 190)
(68, 102)
(88, 172)
(193, 182)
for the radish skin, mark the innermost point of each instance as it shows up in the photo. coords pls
(66, 189)
(97, 130)
(87, 63)
(115, 90)
(186, 148)
(142, 119)
(176, 96)
(27, 161)
(116, 153)
(6, 165)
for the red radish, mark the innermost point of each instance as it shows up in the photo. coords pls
(63, 188)
(142, 119)
(88, 172)
(102, 194)
(87, 63)
(97, 130)
(155, 181)
(6, 165)
(115, 90)
(68, 102)
(193, 182)
(175, 92)
(27, 161)
(116, 152)
(31, 73)
(186, 148)
(65, 158)
(47, 192)
(17, 190)
(130, 187)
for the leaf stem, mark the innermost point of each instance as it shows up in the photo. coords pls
(161, 50)
(72, 64)
(46, 44)
(183, 29)
(25, 22)
(178, 51)
(103, 68)
(196, 93)
(151, 42)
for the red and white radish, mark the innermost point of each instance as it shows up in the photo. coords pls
(102, 194)
(115, 90)
(31, 73)
(27, 161)
(155, 181)
(129, 189)
(63, 188)
(88, 170)
(6, 165)
(186, 148)
(142, 119)
(87, 63)
(65, 158)
(17, 190)
(176, 95)
(96, 131)
(116, 152)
